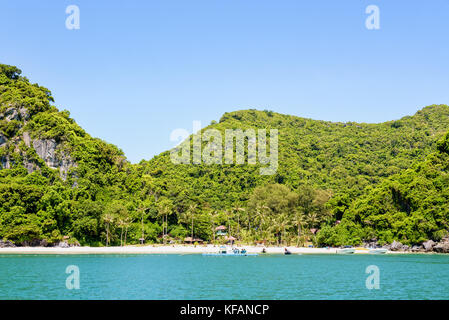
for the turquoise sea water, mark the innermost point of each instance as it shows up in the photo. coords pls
(202, 277)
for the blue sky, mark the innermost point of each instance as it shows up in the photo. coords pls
(136, 70)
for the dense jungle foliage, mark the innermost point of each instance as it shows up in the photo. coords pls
(336, 183)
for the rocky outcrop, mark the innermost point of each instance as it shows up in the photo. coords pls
(26, 139)
(417, 248)
(396, 246)
(442, 246)
(428, 245)
(371, 244)
(46, 150)
(16, 113)
(63, 244)
(11, 114)
(49, 151)
(5, 162)
(30, 166)
(6, 244)
(34, 243)
(3, 140)
(24, 114)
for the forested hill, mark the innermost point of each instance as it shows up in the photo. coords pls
(344, 158)
(56, 179)
(411, 206)
(58, 183)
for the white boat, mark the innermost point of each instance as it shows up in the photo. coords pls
(223, 251)
(378, 251)
(346, 251)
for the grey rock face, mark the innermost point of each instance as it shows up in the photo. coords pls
(371, 244)
(11, 114)
(396, 246)
(6, 244)
(47, 151)
(442, 246)
(26, 138)
(18, 114)
(5, 162)
(24, 115)
(428, 245)
(34, 243)
(31, 167)
(2, 140)
(63, 244)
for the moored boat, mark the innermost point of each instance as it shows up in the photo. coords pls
(346, 251)
(223, 251)
(378, 251)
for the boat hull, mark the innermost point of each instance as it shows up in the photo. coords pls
(230, 254)
(378, 251)
(346, 251)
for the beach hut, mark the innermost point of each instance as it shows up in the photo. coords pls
(220, 231)
(142, 240)
(191, 240)
(230, 239)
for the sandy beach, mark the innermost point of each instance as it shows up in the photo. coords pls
(167, 249)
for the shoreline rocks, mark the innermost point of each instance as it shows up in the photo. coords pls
(428, 245)
(442, 246)
(7, 244)
(397, 246)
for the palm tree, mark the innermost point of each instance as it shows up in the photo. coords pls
(127, 222)
(299, 221)
(237, 211)
(312, 220)
(228, 214)
(191, 213)
(284, 223)
(121, 224)
(164, 208)
(214, 215)
(143, 209)
(261, 218)
(108, 219)
(279, 223)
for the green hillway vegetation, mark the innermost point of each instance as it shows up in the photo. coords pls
(337, 183)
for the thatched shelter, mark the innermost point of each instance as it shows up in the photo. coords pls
(191, 240)
(230, 239)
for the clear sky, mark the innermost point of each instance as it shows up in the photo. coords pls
(136, 70)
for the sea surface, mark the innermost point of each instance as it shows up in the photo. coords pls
(207, 277)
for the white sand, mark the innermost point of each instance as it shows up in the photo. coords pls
(158, 249)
